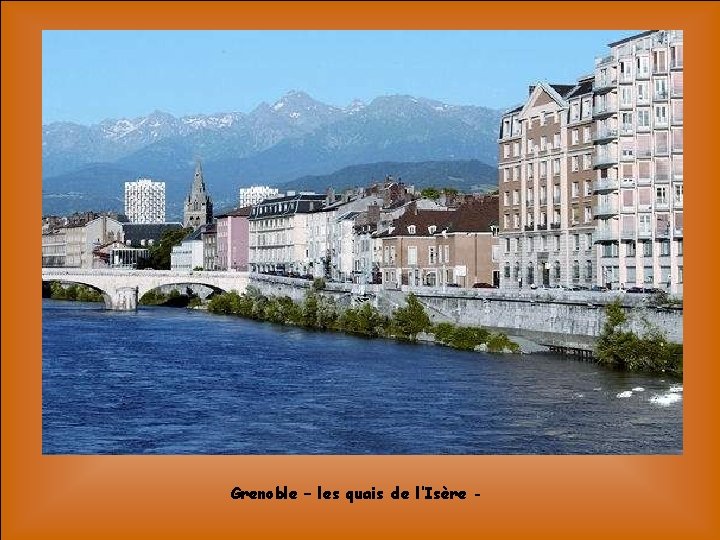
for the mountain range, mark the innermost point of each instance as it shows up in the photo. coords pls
(278, 145)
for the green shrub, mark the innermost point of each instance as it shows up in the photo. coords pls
(318, 284)
(194, 301)
(364, 320)
(407, 322)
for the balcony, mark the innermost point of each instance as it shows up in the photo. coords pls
(603, 110)
(660, 123)
(660, 96)
(626, 78)
(662, 205)
(627, 129)
(626, 105)
(663, 233)
(644, 180)
(644, 153)
(606, 184)
(676, 65)
(554, 225)
(677, 233)
(627, 234)
(628, 182)
(644, 233)
(604, 60)
(605, 135)
(662, 178)
(628, 209)
(603, 161)
(677, 149)
(604, 84)
(601, 235)
(529, 227)
(605, 209)
(677, 120)
(660, 70)
(627, 156)
(641, 76)
(678, 204)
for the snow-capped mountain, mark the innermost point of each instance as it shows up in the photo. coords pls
(276, 142)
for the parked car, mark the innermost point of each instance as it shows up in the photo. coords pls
(635, 290)
(453, 285)
(598, 288)
(483, 286)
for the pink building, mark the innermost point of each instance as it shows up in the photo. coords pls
(233, 239)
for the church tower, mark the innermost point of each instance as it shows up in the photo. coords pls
(198, 205)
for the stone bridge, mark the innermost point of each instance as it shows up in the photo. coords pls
(123, 288)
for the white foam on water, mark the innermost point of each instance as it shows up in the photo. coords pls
(626, 393)
(638, 389)
(666, 399)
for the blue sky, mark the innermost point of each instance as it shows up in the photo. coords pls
(92, 75)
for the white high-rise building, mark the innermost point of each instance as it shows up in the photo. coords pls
(255, 194)
(145, 201)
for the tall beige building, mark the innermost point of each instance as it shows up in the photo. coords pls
(638, 116)
(545, 186)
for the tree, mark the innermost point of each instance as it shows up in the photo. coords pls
(159, 254)
(450, 191)
(430, 193)
(410, 320)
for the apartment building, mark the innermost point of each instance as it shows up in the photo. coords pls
(545, 167)
(233, 239)
(279, 233)
(638, 113)
(81, 240)
(145, 201)
(252, 195)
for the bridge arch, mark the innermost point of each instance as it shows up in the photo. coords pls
(106, 296)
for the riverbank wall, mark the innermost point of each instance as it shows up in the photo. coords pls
(564, 320)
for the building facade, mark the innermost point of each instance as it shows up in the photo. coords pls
(188, 255)
(233, 239)
(198, 204)
(210, 254)
(145, 201)
(82, 240)
(279, 233)
(252, 195)
(545, 167)
(639, 161)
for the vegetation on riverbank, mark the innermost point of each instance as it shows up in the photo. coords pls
(173, 299)
(319, 312)
(75, 292)
(626, 350)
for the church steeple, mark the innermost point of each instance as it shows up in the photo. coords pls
(198, 205)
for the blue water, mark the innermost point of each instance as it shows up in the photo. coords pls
(176, 381)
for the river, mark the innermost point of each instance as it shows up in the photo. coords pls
(177, 381)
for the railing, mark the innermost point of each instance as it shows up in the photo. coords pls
(662, 178)
(606, 184)
(603, 84)
(677, 91)
(627, 129)
(554, 225)
(603, 108)
(678, 233)
(626, 77)
(626, 234)
(605, 209)
(603, 235)
(662, 233)
(628, 182)
(602, 60)
(627, 156)
(604, 159)
(605, 134)
(660, 95)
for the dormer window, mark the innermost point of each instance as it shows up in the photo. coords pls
(411, 229)
(432, 229)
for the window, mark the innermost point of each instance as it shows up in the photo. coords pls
(557, 270)
(587, 108)
(506, 198)
(431, 255)
(506, 175)
(543, 194)
(507, 245)
(576, 270)
(664, 248)
(506, 221)
(587, 162)
(530, 195)
(630, 249)
(543, 143)
(679, 247)
(588, 188)
(556, 141)
(543, 169)
(660, 85)
(661, 118)
(642, 92)
(412, 255)
(530, 146)
(516, 149)
(643, 119)
(661, 195)
(588, 214)
(626, 95)
(557, 242)
(556, 166)
(506, 150)
(516, 172)
(575, 112)
(516, 220)
(678, 194)
(576, 242)
(576, 189)
(516, 196)
(680, 274)
(575, 163)
(587, 134)
(647, 248)
(644, 223)
(530, 170)
(588, 270)
(659, 61)
(411, 229)
(506, 272)
(575, 136)
(643, 66)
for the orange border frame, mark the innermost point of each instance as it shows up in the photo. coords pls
(187, 496)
